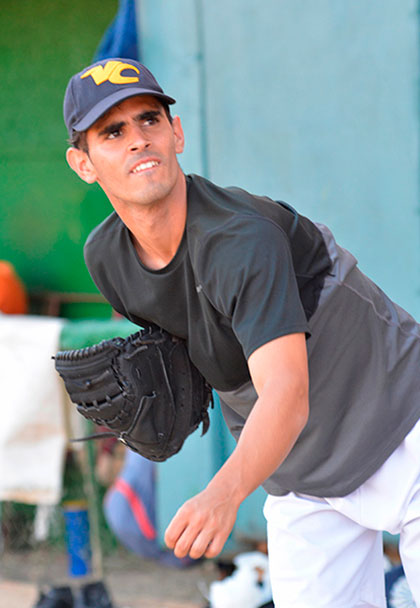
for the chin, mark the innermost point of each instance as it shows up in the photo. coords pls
(154, 193)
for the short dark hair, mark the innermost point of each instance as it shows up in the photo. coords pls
(167, 110)
(79, 138)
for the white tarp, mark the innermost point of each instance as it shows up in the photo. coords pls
(32, 412)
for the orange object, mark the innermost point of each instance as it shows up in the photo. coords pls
(13, 297)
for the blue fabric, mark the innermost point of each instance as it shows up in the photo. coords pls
(398, 594)
(390, 578)
(139, 474)
(120, 39)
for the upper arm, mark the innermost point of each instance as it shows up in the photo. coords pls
(280, 366)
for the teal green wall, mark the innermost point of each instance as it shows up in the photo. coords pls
(46, 212)
(312, 102)
(316, 103)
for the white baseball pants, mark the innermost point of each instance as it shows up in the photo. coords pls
(327, 552)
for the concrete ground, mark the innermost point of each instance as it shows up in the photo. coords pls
(131, 581)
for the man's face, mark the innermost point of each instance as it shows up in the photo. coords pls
(132, 152)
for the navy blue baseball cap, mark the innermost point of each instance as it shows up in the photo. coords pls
(102, 85)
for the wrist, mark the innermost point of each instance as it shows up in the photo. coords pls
(228, 484)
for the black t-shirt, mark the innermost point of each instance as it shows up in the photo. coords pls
(248, 270)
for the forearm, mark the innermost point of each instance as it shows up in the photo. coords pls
(276, 421)
(203, 523)
(280, 376)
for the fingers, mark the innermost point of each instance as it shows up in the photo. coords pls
(198, 544)
(207, 545)
(194, 536)
(216, 545)
(175, 530)
(186, 531)
(201, 526)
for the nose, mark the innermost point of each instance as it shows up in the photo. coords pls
(138, 139)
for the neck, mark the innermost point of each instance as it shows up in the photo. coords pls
(157, 230)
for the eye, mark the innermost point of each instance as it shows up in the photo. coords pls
(151, 121)
(114, 133)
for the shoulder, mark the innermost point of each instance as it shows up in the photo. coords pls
(245, 241)
(102, 251)
(104, 240)
(104, 231)
(221, 218)
(204, 195)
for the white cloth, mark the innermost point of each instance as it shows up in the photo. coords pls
(328, 552)
(32, 425)
(247, 587)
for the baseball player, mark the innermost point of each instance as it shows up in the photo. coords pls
(316, 369)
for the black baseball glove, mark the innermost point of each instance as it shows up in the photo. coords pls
(144, 388)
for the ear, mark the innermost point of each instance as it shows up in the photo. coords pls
(80, 162)
(179, 134)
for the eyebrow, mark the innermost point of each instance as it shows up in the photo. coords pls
(116, 126)
(146, 115)
(113, 126)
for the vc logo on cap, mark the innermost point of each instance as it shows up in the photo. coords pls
(111, 71)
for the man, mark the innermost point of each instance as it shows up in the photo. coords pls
(266, 300)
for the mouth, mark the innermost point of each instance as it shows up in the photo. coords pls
(144, 166)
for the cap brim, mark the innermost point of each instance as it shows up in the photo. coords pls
(108, 102)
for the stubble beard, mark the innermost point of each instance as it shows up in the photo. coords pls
(149, 195)
(154, 195)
